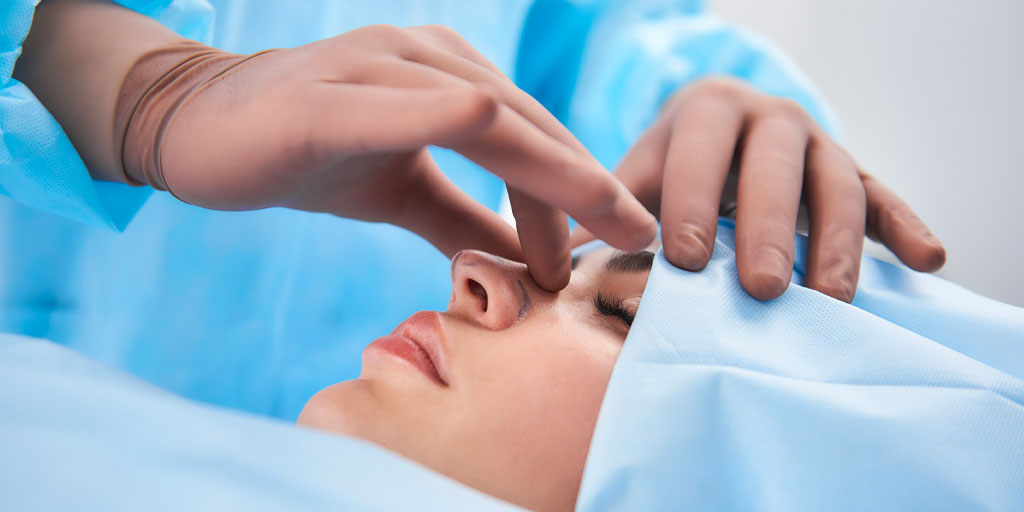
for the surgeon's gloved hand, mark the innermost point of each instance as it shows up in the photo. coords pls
(338, 126)
(721, 147)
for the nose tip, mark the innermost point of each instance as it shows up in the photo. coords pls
(488, 290)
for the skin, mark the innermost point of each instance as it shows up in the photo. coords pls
(517, 415)
(353, 115)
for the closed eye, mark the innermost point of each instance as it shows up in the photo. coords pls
(613, 307)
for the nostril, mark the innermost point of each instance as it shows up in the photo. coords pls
(478, 290)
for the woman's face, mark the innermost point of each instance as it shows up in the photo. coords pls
(502, 390)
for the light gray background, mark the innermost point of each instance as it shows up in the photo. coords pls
(930, 96)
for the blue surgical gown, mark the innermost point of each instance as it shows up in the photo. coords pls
(258, 310)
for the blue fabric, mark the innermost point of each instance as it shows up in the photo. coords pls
(38, 165)
(76, 435)
(638, 55)
(605, 68)
(258, 310)
(911, 398)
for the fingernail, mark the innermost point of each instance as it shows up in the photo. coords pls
(690, 253)
(936, 257)
(840, 282)
(770, 278)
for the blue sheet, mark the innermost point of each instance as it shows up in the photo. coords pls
(78, 435)
(911, 398)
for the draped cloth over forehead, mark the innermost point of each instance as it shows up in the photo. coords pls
(911, 398)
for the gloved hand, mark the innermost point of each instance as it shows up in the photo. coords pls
(719, 139)
(338, 126)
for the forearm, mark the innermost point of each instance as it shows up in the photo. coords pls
(75, 61)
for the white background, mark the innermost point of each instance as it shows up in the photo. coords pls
(930, 97)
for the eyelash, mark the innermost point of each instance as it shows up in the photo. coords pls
(613, 307)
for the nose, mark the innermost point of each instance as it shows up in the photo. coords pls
(489, 290)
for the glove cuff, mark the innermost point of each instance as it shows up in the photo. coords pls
(158, 85)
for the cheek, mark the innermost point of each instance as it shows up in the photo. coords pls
(538, 400)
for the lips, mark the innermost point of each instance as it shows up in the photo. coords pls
(420, 341)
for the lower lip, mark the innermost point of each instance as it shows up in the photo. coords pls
(407, 350)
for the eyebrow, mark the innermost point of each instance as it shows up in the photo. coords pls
(630, 262)
(624, 261)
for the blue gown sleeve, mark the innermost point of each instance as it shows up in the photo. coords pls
(38, 165)
(604, 67)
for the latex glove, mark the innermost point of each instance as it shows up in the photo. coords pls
(720, 145)
(338, 126)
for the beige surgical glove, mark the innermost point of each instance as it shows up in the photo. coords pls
(338, 126)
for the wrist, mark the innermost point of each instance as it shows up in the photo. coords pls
(158, 86)
(74, 63)
(154, 88)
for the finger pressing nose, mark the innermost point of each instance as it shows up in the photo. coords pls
(489, 291)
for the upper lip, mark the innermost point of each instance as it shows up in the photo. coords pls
(424, 329)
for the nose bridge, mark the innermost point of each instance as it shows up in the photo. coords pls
(489, 290)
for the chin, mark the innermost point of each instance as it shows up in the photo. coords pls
(331, 409)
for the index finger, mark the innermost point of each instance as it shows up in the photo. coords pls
(579, 184)
(454, 55)
(545, 169)
(544, 239)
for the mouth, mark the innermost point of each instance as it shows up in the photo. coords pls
(419, 340)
